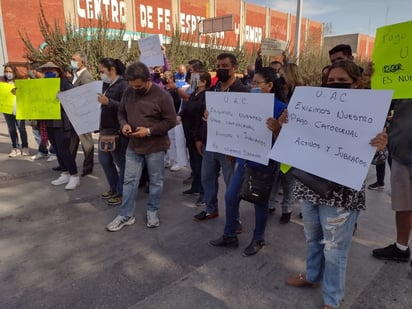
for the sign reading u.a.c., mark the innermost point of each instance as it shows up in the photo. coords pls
(392, 59)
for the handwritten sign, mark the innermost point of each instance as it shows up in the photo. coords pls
(82, 107)
(236, 124)
(151, 51)
(272, 47)
(37, 98)
(392, 58)
(329, 131)
(7, 99)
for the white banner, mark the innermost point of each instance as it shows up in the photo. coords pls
(329, 131)
(151, 51)
(82, 107)
(236, 124)
(272, 47)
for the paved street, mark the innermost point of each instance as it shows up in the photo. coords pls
(56, 253)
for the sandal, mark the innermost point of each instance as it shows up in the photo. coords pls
(300, 281)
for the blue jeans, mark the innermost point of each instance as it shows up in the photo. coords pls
(13, 124)
(133, 171)
(212, 162)
(328, 232)
(113, 164)
(232, 207)
(287, 181)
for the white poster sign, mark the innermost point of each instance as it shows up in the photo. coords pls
(236, 124)
(272, 47)
(151, 51)
(82, 107)
(329, 131)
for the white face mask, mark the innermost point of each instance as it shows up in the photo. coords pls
(9, 76)
(74, 65)
(105, 78)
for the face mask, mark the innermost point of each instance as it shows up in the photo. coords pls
(338, 85)
(50, 75)
(256, 90)
(223, 75)
(140, 91)
(105, 78)
(9, 76)
(74, 65)
(31, 75)
(156, 75)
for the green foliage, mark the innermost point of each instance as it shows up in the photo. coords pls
(61, 43)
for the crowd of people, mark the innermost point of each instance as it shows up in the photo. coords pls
(142, 107)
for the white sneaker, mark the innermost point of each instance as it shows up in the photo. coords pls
(64, 178)
(119, 222)
(39, 155)
(175, 168)
(74, 182)
(152, 219)
(168, 163)
(52, 158)
(25, 152)
(14, 153)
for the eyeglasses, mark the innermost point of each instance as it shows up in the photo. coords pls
(257, 83)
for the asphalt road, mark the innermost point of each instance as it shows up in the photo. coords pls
(56, 253)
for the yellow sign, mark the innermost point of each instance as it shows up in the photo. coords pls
(6, 98)
(284, 168)
(37, 98)
(392, 58)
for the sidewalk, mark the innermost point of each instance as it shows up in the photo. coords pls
(56, 253)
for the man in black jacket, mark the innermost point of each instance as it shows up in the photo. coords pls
(213, 162)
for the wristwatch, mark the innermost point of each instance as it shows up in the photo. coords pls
(148, 132)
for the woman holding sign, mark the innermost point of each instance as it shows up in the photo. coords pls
(10, 74)
(264, 81)
(329, 221)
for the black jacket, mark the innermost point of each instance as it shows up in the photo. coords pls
(109, 123)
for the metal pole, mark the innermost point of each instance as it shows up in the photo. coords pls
(297, 33)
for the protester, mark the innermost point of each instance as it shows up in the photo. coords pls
(113, 162)
(191, 117)
(213, 162)
(146, 114)
(14, 125)
(61, 132)
(265, 80)
(329, 222)
(81, 77)
(400, 148)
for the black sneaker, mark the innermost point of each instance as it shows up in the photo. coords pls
(190, 192)
(203, 215)
(376, 186)
(253, 247)
(285, 218)
(225, 241)
(392, 252)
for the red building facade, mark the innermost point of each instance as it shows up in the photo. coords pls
(252, 23)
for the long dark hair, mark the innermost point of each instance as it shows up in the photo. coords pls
(269, 76)
(110, 63)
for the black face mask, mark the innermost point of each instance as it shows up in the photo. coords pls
(337, 85)
(223, 75)
(164, 81)
(140, 91)
(156, 75)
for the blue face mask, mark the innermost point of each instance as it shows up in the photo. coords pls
(74, 65)
(50, 75)
(256, 90)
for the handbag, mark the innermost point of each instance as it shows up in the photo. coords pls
(108, 142)
(321, 186)
(380, 157)
(257, 184)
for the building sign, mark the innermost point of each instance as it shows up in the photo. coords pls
(112, 10)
